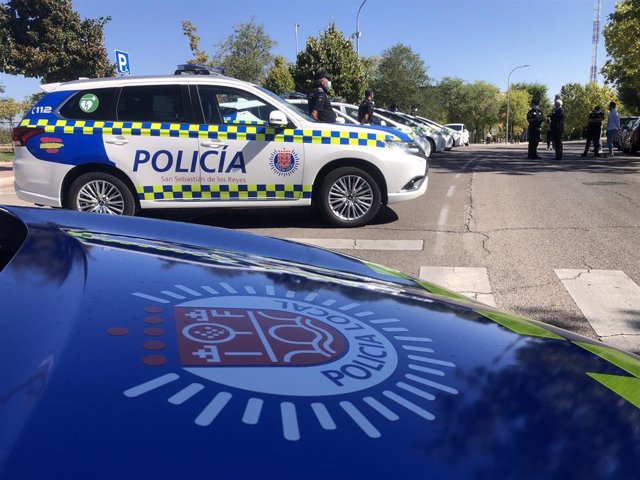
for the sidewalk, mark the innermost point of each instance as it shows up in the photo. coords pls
(6, 174)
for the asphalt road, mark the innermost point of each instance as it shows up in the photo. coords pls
(531, 227)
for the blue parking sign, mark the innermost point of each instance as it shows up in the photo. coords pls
(122, 60)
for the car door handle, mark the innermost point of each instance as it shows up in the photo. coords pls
(117, 140)
(212, 144)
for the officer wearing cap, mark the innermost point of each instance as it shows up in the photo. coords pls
(319, 104)
(594, 131)
(365, 110)
(535, 118)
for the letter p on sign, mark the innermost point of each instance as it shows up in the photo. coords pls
(122, 61)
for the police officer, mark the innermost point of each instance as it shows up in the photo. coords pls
(319, 104)
(365, 110)
(594, 130)
(535, 117)
(557, 127)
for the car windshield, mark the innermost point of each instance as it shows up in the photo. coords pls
(280, 101)
(454, 126)
(401, 119)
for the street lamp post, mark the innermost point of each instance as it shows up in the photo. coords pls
(297, 26)
(358, 28)
(509, 88)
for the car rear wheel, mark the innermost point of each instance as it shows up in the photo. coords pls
(349, 197)
(101, 193)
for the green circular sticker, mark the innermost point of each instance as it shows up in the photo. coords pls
(89, 103)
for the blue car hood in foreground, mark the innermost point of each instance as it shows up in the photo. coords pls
(135, 348)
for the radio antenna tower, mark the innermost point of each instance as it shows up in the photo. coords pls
(594, 42)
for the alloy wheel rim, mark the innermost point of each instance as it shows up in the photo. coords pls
(99, 196)
(350, 197)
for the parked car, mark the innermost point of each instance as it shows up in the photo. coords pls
(456, 136)
(632, 138)
(464, 133)
(626, 123)
(421, 148)
(377, 119)
(120, 145)
(440, 141)
(145, 349)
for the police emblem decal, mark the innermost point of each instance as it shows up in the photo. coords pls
(284, 162)
(302, 350)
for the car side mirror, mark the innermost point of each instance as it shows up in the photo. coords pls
(278, 119)
(383, 123)
(340, 120)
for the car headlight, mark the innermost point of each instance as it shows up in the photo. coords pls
(411, 147)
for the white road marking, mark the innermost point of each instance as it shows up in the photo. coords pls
(472, 282)
(452, 189)
(444, 214)
(609, 300)
(361, 244)
(438, 248)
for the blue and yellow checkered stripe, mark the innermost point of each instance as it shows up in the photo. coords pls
(223, 192)
(220, 132)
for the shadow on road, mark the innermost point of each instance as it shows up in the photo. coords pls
(512, 160)
(298, 217)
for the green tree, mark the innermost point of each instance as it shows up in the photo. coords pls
(537, 91)
(578, 101)
(5, 38)
(482, 107)
(279, 79)
(245, 54)
(333, 53)
(621, 34)
(47, 39)
(519, 102)
(199, 57)
(369, 65)
(448, 96)
(11, 109)
(400, 78)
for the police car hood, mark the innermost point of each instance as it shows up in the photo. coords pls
(137, 348)
(391, 130)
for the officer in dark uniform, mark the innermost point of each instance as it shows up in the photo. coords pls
(319, 104)
(365, 110)
(594, 130)
(535, 117)
(557, 127)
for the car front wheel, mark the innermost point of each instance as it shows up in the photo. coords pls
(101, 193)
(349, 197)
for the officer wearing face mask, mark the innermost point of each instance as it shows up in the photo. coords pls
(319, 104)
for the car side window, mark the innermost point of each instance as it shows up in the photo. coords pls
(229, 106)
(152, 103)
(90, 105)
(352, 112)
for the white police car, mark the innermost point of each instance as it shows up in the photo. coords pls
(117, 145)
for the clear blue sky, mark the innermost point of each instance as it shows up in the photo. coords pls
(469, 39)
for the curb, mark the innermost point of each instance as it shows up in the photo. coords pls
(6, 181)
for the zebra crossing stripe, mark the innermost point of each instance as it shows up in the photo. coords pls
(609, 300)
(472, 282)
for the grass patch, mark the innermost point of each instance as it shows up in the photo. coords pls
(6, 156)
